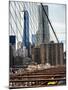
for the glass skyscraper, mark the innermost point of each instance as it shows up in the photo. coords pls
(26, 29)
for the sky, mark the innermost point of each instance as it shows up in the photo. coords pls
(57, 17)
(56, 13)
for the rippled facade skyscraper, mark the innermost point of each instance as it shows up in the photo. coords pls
(43, 29)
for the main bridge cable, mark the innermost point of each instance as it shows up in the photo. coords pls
(49, 22)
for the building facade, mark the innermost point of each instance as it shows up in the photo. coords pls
(43, 29)
(26, 30)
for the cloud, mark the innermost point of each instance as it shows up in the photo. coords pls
(59, 25)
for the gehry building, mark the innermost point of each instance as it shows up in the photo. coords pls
(43, 29)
